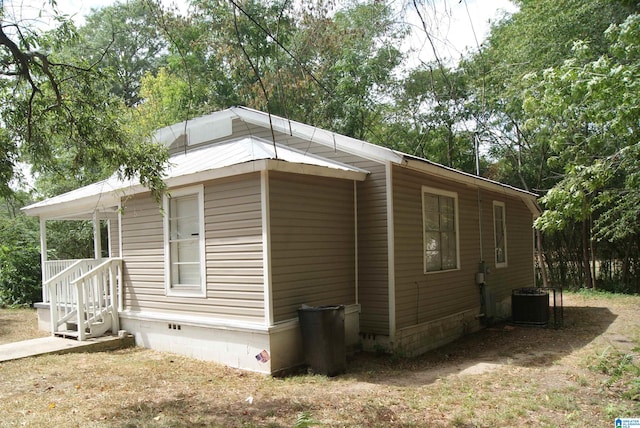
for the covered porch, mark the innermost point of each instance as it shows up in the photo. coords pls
(81, 296)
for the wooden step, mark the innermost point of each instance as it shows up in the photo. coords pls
(100, 328)
(67, 334)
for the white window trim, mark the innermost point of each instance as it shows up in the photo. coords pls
(504, 231)
(454, 195)
(196, 291)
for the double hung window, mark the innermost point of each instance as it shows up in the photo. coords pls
(440, 230)
(184, 242)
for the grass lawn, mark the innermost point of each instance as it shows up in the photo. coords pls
(583, 375)
(19, 324)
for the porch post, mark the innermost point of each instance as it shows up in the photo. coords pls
(97, 242)
(43, 257)
(109, 245)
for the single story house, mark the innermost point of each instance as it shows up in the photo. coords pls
(263, 215)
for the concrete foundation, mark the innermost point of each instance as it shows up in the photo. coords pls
(271, 350)
(44, 316)
(418, 339)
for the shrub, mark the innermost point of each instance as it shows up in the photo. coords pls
(20, 275)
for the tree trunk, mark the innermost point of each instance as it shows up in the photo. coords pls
(593, 262)
(588, 281)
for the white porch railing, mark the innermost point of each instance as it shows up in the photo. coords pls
(84, 298)
(52, 268)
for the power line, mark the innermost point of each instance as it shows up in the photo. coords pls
(284, 48)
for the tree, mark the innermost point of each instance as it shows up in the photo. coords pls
(59, 115)
(20, 275)
(356, 66)
(540, 35)
(126, 38)
(432, 117)
(326, 67)
(592, 109)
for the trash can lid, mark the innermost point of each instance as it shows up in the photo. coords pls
(320, 308)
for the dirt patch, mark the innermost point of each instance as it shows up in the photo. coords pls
(576, 376)
(588, 324)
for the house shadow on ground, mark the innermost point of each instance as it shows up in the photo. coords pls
(493, 347)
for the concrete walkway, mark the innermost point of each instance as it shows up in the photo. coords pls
(59, 345)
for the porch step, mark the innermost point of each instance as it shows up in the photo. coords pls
(99, 328)
(67, 334)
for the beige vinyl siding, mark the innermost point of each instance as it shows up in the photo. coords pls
(143, 252)
(424, 297)
(233, 239)
(373, 282)
(373, 261)
(519, 270)
(312, 242)
(233, 230)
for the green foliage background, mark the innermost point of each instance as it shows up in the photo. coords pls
(20, 272)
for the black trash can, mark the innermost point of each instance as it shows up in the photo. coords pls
(323, 339)
(530, 306)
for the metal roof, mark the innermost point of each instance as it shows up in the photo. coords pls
(241, 155)
(247, 149)
(199, 164)
(377, 153)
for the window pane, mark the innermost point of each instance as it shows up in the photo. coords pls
(431, 212)
(432, 251)
(449, 258)
(447, 213)
(433, 261)
(432, 241)
(184, 221)
(188, 251)
(184, 227)
(185, 274)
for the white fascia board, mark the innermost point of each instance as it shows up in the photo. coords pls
(532, 204)
(327, 138)
(530, 199)
(79, 209)
(264, 165)
(319, 171)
